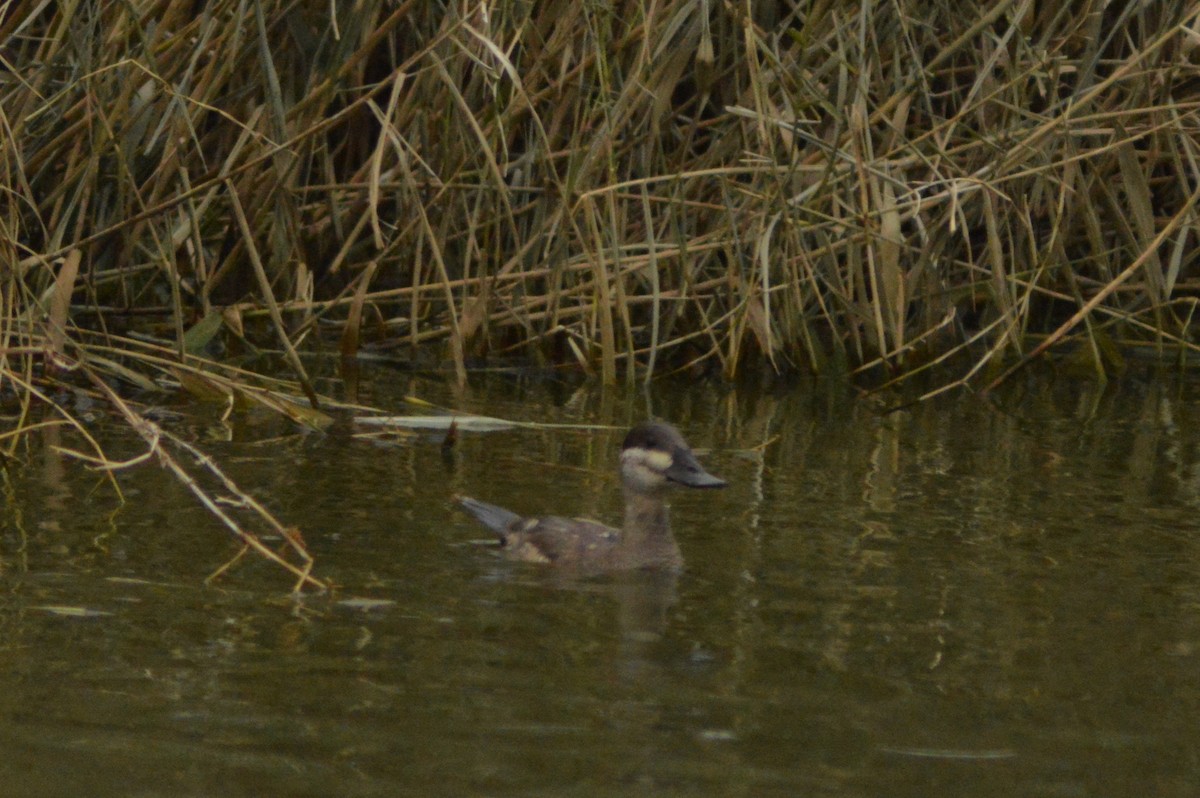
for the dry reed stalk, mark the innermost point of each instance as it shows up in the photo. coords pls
(880, 186)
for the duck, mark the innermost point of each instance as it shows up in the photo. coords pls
(654, 459)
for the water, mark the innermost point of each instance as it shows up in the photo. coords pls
(963, 598)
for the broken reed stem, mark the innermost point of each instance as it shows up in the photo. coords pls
(1184, 213)
(864, 186)
(154, 436)
(264, 285)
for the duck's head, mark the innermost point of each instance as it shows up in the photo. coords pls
(655, 456)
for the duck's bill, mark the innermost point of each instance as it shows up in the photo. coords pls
(705, 480)
(687, 471)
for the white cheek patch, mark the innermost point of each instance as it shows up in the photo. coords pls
(646, 467)
(659, 461)
(647, 458)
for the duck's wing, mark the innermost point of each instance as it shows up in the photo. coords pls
(565, 541)
(561, 541)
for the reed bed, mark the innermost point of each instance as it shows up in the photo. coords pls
(626, 188)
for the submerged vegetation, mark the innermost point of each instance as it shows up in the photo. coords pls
(623, 188)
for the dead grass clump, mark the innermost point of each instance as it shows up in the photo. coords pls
(625, 187)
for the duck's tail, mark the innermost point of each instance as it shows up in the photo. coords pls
(494, 518)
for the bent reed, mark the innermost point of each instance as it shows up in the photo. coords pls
(627, 188)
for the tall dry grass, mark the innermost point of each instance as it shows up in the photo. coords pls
(623, 187)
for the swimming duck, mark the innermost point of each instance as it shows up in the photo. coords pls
(654, 457)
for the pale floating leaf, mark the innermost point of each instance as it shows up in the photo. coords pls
(70, 612)
(952, 754)
(133, 580)
(366, 604)
(470, 423)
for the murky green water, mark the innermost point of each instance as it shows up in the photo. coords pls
(960, 599)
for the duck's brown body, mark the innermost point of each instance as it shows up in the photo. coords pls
(653, 457)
